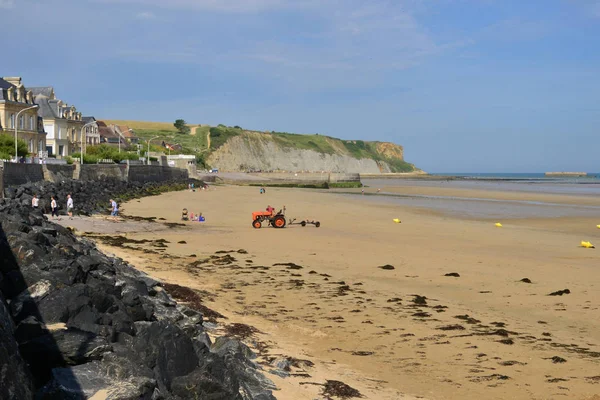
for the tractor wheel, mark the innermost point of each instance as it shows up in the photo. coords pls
(303, 223)
(278, 222)
(256, 224)
(317, 224)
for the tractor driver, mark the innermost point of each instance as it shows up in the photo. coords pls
(270, 209)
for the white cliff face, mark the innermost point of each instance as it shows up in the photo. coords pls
(241, 153)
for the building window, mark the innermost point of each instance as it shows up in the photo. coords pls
(40, 145)
(21, 122)
(30, 146)
(31, 124)
(12, 121)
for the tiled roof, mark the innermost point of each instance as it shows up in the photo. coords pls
(4, 86)
(125, 131)
(47, 91)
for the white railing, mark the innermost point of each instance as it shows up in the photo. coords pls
(181, 157)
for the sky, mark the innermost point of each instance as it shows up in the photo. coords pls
(463, 85)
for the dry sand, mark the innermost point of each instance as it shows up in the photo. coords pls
(389, 333)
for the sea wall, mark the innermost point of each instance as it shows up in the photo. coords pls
(90, 172)
(308, 176)
(150, 173)
(13, 174)
(57, 172)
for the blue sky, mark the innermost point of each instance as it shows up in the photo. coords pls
(464, 85)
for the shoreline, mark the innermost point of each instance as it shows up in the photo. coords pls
(409, 352)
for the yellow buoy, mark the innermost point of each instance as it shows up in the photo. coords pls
(598, 226)
(498, 224)
(396, 220)
(587, 245)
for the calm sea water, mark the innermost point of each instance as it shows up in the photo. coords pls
(592, 177)
(490, 208)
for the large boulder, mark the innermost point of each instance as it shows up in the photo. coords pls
(15, 379)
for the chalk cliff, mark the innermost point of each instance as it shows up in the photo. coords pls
(248, 150)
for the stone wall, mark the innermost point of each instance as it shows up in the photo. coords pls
(91, 172)
(308, 176)
(57, 172)
(151, 173)
(18, 174)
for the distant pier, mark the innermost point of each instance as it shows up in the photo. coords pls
(569, 174)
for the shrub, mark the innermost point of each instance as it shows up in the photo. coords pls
(7, 146)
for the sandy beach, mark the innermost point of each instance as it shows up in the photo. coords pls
(439, 306)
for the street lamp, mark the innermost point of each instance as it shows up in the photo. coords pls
(16, 126)
(128, 130)
(82, 135)
(148, 153)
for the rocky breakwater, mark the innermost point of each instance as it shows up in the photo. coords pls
(76, 323)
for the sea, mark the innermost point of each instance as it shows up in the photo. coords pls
(592, 177)
(537, 183)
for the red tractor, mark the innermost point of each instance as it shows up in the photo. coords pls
(276, 220)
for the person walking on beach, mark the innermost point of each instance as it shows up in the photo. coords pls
(54, 208)
(35, 202)
(114, 209)
(70, 206)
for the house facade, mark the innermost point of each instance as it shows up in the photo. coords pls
(15, 98)
(61, 121)
(91, 132)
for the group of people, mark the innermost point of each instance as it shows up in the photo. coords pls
(35, 203)
(192, 187)
(185, 216)
(197, 217)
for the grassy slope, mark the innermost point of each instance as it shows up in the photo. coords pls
(158, 126)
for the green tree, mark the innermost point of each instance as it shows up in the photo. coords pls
(7, 147)
(181, 126)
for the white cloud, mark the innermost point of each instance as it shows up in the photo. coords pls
(145, 15)
(7, 3)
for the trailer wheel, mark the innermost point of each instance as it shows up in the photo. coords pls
(256, 224)
(278, 222)
(317, 224)
(303, 223)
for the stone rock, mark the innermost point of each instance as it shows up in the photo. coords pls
(166, 347)
(120, 332)
(85, 381)
(15, 379)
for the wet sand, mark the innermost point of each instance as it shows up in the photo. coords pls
(447, 317)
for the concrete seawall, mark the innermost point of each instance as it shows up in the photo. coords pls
(12, 174)
(289, 177)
